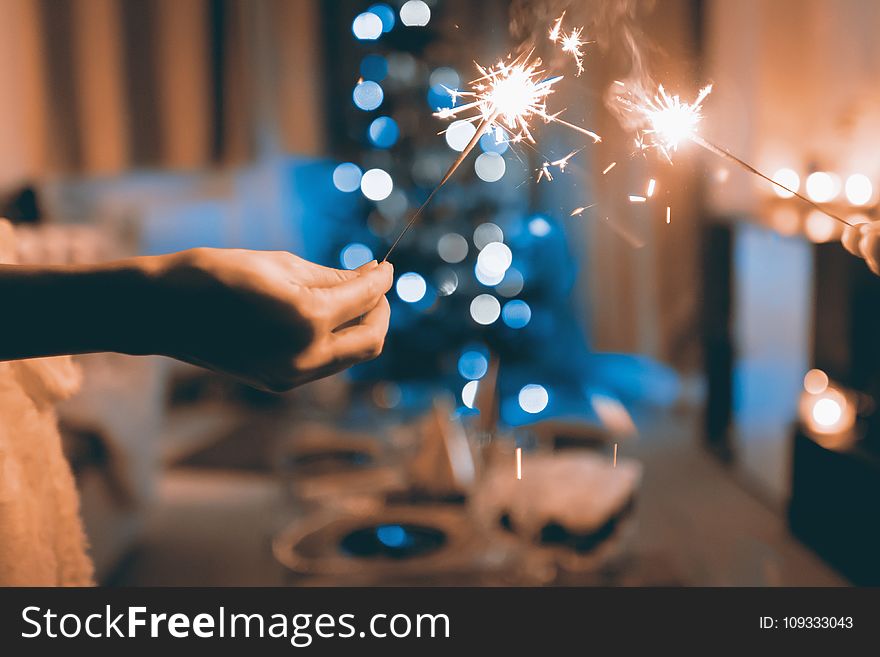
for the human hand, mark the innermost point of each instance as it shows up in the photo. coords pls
(269, 318)
(863, 240)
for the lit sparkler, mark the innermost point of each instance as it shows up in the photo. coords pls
(506, 96)
(666, 121)
(570, 43)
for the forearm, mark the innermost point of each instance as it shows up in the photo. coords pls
(49, 311)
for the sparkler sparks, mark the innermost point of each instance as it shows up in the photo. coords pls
(571, 43)
(667, 121)
(519, 462)
(609, 167)
(507, 95)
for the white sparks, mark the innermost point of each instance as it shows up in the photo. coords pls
(668, 214)
(651, 185)
(556, 29)
(636, 199)
(570, 42)
(665, 119)
(519, 462)
(609, 167)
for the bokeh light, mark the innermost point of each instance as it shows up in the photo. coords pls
(354, 255)
(446, 281)
(445, 76)
(490, 167)
(385, 14)
(486, 234)
(859, 189)
(347, 177)
(452, 248)
(533, 398)
(487, 279)
(539, 227)
(469, 393)
(815, 381)
(485, 309)
(383, 132)
(511, 284)
(822, 186)
(415, 13)
(376, 184)
(495, 141)
(374, 67)
(368, 95)
(411, 287)
(790, 179)
(827, 412)
(459, 133)
(495, 259)
(367, 26)
(439, 98)
(516, 314)
(473, 365)
(819, 227)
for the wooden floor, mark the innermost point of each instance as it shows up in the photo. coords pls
(697, 526)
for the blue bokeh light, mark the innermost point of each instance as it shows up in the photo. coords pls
(347, 177)
(516, 314)
(490, 142)
(439, 98)
(385, 14)
(472, 365)
(354, 255)
(383, 132)
(368, 95)
(374, 67)
(393, 536)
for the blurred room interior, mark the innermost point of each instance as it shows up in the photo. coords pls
(636, 397)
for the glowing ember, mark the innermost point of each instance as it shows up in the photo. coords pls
(519, 462)
(651, 185)
(668, 214)
(671, 120)
(579, 211)
(609, 167)
(615, 455)
(636, 199)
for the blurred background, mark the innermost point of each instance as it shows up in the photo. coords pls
(611, 395)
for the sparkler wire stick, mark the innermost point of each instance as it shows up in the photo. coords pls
(727, 155)
(481, 130)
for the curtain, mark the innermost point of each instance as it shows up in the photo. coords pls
(99, 87)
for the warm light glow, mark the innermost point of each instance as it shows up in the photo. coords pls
(815, 381)
(827, 412)
(820, 227)
(790, 179)
(859, 189)
(822, 186)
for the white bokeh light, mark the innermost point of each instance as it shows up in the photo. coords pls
(368, 95)
(822, 186)
(533, 398)
(376, 184)
(859, 189)
(819, 227)
(485, 309)
(827, 412)
(490, 167)
(354, 255)
(459, 133)
(469, 393)
(487, 279)
(539, 227)
(411, 287)
(367, 26)
(347, 177)
(486, 234)
(446, 76)
(452, 248)
(415, 13)
(790, 179)
(494, 260)
(446, 281)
